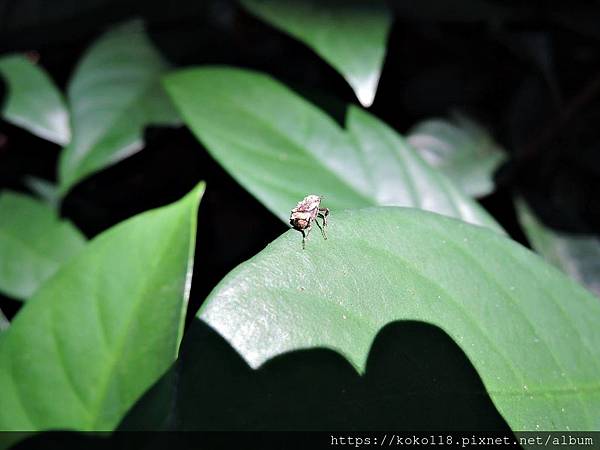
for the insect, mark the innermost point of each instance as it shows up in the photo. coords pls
(305, 213)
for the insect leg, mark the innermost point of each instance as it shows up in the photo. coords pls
(305, 234)
(322, 228)
(323, 213)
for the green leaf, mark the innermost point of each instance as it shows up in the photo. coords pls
(578, 255)
(34, 102)
(114, 93)
(282, 148)
(4, 323)
(104, 328)
(349, 35)
(462, 150)
(530, 332)
(44, 189)
(34, 244)
(400, 177)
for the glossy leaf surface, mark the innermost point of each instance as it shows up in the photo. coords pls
(33, 101)
(349, 35)
(530, 332)
(104, 328)
(282, 148)
(114, 93)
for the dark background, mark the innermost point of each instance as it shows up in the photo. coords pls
(530, 72)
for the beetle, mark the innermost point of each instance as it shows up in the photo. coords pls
(305, 213)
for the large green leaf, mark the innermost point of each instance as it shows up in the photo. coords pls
(349, 35)
(104, 328)
(34, 102)
(578, 255)
(34, 244)
(114, 93)
(282, 148)
(462, 150)
(530, 332)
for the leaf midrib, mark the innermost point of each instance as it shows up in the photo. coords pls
(367, 200)
(96, 407)
(506, 295)
(266, 124)
(79, 159)
(28, 248)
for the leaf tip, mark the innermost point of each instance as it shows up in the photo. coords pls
(365, 90)
(195, 195)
